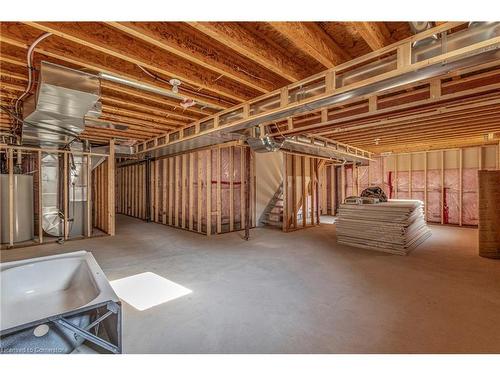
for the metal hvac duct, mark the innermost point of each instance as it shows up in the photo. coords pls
(264, 144)
(55, 115)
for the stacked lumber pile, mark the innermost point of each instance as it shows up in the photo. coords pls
(396, 226)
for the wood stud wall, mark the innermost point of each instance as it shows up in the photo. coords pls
(180, 195)
(451, 166)
(300, 191)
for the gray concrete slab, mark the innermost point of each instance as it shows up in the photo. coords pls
(301, 292)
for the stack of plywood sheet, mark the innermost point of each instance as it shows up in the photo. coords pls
(396, 226)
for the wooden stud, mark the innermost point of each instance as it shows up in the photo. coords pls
(333, 190)
(157, 190)
(324, 115)
(355, 166)
(404, 55)
(164, 191)
(253, 190)
(199, 190)
(425, 186)
(460, 187)
(435, 89)
(231, 188)
(410, 187)
(89, 196)
(316, 185)
(242, 186)
(191, 190)
(372, 103)
(40, 196)
(209, 192)
(312, 187)
(65, 197)
(330, 81)
(177, 195)
(303, 190)
(10, 155)
(219, 202)
(396, 182)
(248, 197)
(284, 97)
(184, 192)
(442, 187)
(342, 180)
(171, 197)
(498, 155)
(285, 192)
(294, 191)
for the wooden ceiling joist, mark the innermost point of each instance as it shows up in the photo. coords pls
(110, 41)
(312, 39)
(257, 49)
(375, 34)
(56, 49)
(181, 40)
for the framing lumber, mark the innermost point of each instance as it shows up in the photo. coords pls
(209, 192)
(257, 49)
(107, 40)
(200, 50)
(40, 191)
(10, 157)
(401, 48)
(375, 34)
(111, 189)
(313, 40)
(65, 197)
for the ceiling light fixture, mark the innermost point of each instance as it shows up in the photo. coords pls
(175, 85)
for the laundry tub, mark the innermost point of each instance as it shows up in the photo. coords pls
(57, 303)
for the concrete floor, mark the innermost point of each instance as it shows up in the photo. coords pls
(301, 292)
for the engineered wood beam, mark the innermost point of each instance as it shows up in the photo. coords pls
(107, 40)
(183, 41)
(257, 49)
(375, 34)
(310, 38)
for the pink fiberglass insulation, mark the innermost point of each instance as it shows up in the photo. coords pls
(376, 172)
(469, 193)
(348, 181)
(451, 204)
(403, 185)
(434, 195)
(363, 178)
(418, 185)
(417, 181)
(388, 180)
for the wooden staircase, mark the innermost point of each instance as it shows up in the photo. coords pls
(273, 213)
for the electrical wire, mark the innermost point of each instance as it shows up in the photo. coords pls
(29, 58)
(193, 90)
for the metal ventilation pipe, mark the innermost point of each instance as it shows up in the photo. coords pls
(420, 26)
